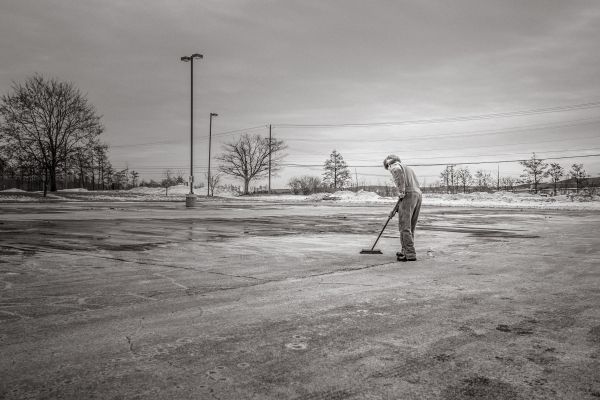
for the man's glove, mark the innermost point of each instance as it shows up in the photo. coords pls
(395, 210)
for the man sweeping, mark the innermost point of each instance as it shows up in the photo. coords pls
(408, 208)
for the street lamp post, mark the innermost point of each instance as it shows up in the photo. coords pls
(209, 144)
(190, 198)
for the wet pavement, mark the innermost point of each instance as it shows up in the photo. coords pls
(240, 300)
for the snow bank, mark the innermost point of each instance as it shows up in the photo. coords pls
(360, 196)
(510, 200)
(74, 190)
(177, 189)
(582, 201)
(13, 190)
(225, 192)
(13, 198)
(476, 199)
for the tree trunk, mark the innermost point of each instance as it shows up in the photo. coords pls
(335, 177)
(53, 178)
(246, 185)
(45, 181)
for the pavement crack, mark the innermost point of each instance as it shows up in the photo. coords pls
(347, 270)
(344, 283)
(141, 297)
(16, 314)
(238, 276)
(130, 342)
(173, 281)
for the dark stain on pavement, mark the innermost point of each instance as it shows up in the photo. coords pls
(478, 232)
(480, 387)
(524, 327)
(594, 334)
(326, 395)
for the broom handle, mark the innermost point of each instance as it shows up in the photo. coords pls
(387, 222)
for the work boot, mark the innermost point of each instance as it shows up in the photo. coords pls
(399, 254)
(404, 258)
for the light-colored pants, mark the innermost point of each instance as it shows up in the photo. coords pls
(408, 214)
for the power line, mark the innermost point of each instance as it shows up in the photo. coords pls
(582, 106)
(241, 130)
(536, 142)
(446, 163)
(478, 133)
(519, 113)
(493, 155)
(310, 166)
(179, 141)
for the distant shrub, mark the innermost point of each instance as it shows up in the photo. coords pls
(304, 184)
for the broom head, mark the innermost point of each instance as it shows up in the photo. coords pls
(369, 251)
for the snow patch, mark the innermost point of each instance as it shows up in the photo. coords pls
(13, 190)
(348, 196)
(74, 190)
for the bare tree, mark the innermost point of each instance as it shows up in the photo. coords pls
(102, 164)
(336, 172)
(305, 184)
(248, 158)
(169, 180)
(534, 172)
(508, 182)
(556, 172)
(179, 177)
(483, 179)
(579, 174)
(213, 182)
(121, 179)
(48, 120)
(464, 177)
(134, 177)
(445, 177)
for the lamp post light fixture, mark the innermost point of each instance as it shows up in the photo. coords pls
(209, 144)
(190, 198)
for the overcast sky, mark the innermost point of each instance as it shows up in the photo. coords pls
(321, 63)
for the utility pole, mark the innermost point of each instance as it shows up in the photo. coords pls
(209, 145)
(452, 177)
(270, 145)
(498, 182)
(447, 179)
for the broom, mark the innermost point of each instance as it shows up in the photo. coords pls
(373, 250)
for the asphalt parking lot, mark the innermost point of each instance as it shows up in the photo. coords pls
(241, 300)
